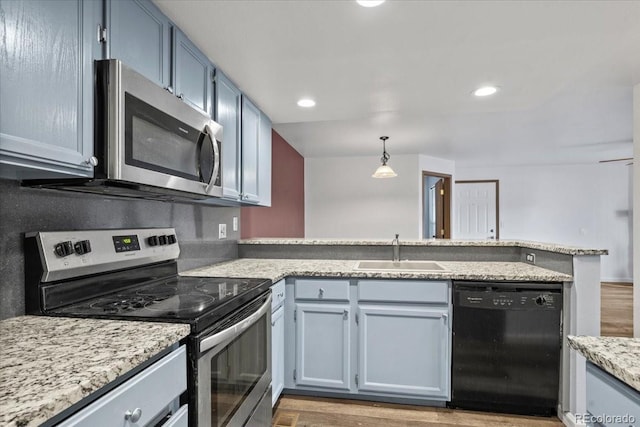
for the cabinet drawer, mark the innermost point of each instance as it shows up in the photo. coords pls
(151, 391)
(277, 295)
(180, 418)
(335, 290)
(404, 291)
(609, 398)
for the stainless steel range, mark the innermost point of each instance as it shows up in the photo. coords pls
(132, 274)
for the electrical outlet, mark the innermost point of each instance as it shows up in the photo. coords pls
(530, 257)
(235, 223)
(222, 231)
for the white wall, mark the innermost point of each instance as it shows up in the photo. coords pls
(584, 205)
(343, 200)
(636, 210)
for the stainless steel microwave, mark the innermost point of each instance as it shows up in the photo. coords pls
(148, 142)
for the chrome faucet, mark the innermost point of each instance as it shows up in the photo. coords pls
(396, 248)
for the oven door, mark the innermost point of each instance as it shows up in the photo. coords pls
(234, 367)
(156, 139)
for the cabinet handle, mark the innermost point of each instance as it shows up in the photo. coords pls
(445, 317)
(93, 161)
(345, 315)
(133, 417)
(321, 292)
(181, 96)
(168, 89)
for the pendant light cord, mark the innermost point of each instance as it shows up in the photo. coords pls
(385, 156)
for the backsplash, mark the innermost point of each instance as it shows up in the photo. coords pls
(28, 209)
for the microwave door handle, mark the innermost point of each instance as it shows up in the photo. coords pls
(216, 158)
(212, 341)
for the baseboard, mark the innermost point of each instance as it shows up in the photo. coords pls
(617, 280)
(569, 420)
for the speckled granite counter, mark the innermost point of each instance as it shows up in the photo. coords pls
(618, 356)
(48, 364)
(276, 269)
(551, 247)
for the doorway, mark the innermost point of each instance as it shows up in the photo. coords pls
(436, 205)
(477, 209)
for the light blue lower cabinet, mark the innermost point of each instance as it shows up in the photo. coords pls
(148, 396)
(404, 350)
(323, 338)
(277, 354)
(385, 339)
(609, 401)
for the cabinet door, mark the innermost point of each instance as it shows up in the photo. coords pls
(264, 161)
(404, 350)
(192, 73)
(139, 36)
(609, 397)
(277, 354)
(46, 87)
(227, 113)
(322, 345)
(250, 164)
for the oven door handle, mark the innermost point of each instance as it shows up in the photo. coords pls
(212, 341)
(216, 157)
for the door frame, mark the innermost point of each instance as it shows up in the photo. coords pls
(446, 220)
(497, 183)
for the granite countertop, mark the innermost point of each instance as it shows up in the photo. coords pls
(47, 364)
(617, 355)
(551, 247)
(276, 269)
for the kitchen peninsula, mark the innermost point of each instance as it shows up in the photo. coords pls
(575, 268)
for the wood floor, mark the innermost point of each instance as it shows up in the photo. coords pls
(616, 309)
(302, 411)
(298, 411)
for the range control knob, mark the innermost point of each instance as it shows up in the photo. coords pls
(541, 300)
(152, 241)
(171, 238)
(82, 247)
(162, 240)
(63, 249)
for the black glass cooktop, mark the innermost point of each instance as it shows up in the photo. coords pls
(181, 299)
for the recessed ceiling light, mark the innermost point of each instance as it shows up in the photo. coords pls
(485, 91)
(369, 3)
(306, 103)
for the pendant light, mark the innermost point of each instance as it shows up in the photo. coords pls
(384, 171)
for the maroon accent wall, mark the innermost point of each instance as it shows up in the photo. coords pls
(285, 217)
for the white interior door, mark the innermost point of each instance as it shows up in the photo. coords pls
(476, 210)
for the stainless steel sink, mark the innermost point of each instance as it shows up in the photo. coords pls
(400, 265)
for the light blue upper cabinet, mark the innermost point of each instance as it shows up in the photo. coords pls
(192, 73)
(227, 113)
(46, 87)
(264, 161)
(139, 36)
(256, 155)
(250, 151)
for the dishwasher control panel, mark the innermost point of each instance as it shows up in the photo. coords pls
(512, 300)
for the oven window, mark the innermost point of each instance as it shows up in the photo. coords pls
(236, 370)
(157, 141)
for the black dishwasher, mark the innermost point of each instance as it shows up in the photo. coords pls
(506, 347)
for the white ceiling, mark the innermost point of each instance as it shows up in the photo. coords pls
(406, 69)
